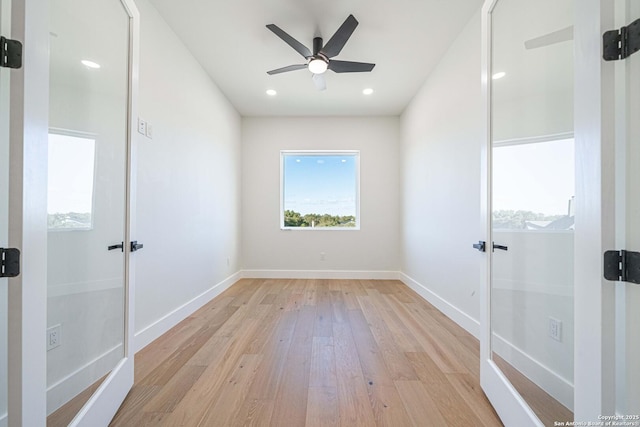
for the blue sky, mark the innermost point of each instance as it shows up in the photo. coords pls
(320, 184)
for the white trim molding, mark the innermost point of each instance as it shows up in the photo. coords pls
(321, 274)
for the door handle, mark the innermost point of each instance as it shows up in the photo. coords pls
(119, 246)
(501, 247)
(136, 246)
(480, 245)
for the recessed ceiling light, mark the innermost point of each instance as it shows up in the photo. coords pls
(271, 92)
(367, 91)
(499, 75)
(90, 64)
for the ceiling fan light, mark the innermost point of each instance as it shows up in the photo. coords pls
(318, 66)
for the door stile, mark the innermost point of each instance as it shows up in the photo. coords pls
(27, 295)
(594, 301)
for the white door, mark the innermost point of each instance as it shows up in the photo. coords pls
(527, 354)
(559, 342)
(92, 74)
(53, 111)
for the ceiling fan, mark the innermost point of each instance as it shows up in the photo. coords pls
(320, 60)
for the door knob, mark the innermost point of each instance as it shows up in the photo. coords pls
(136, 246)
(119, 246)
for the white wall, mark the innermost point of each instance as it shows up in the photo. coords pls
(188, 189)
(440, 177)
(373, 248)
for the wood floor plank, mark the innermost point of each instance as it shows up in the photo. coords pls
(373, 365)
(272, 352)
(233, 392)
(291, 401)
(323, 363)
(402, 336)
(469, 389)
(324, 312)
(434, 341)
(353, 397)
(395, 360)
(131, 412)
(267, 379)
(322, 407)
(169, 396)
(421, 408)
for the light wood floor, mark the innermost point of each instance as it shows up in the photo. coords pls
(310, 353)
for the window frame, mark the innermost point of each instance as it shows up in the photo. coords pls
(94, 138)
(354, 153)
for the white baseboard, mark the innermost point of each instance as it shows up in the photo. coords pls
(465, 321)
(148, 334)
(320, 274)
(559, 388)
(68, 387)
(545, 378)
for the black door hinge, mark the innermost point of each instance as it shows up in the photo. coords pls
(10, 53)
(622, 266)
(9, 262)
(622, 43)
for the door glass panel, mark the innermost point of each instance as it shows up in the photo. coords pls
(4, 213)
(89, 61)
(533, 202)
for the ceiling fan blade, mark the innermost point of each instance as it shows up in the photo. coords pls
(319, 81)
(559, 36)
(299, 47)
(339, 39)
(349, 66)
(287, 68)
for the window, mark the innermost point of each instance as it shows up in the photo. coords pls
(71, 180)
(319, 190)
(534, 185)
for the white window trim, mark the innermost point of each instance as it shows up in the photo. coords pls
(355, 153)
(85, 135)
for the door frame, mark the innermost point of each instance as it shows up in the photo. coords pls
(594, 298)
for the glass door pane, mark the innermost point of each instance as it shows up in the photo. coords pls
(533, 202)
(87, 199)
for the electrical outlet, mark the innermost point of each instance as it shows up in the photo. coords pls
(54, 337)
(149, 131)
(555, 329)
(142, 126)
(228, 261)
(322, 256)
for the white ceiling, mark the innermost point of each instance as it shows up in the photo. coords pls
(404, 38)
